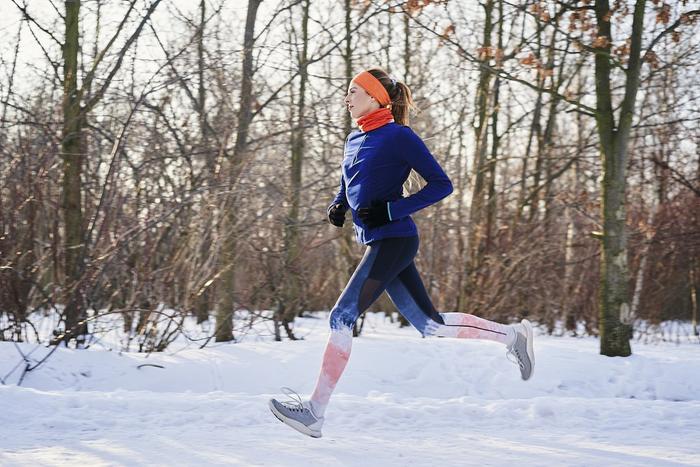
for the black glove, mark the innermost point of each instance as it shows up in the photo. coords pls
(336, 214)
(374, 216)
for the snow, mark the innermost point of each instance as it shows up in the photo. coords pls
(403, 400)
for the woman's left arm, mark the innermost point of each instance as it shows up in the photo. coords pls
(438, 185)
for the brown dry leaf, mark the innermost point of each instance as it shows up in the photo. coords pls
(573, 18)
(414, 6)
(484, 52)
(676, 36)
(652, 59)
(448, 31)
(545, 72)
(687, 18)
(601, 42)
(623, 50)
(498, 54)
(529, 60)
(663, 15)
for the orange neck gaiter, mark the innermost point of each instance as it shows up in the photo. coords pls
(375, 119)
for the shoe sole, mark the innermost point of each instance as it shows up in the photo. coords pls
(530, 350)
(300, 427)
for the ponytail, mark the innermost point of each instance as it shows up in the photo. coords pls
(401, 99)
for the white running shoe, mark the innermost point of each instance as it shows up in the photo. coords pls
(522, 349)
(297, 414)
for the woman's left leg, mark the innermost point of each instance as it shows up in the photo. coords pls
(410, 297)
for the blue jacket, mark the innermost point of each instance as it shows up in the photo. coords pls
(375, 167)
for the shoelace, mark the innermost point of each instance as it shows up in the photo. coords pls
(294, 402)
(512, 351)
(516, 358)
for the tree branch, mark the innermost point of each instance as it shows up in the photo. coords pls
(96, 98)
(677, 176)
(670, 29)
(504, 74)
(31, 19)
(87, 81)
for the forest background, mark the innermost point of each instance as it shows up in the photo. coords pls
(163, 160)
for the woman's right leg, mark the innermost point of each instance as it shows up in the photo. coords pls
(380, 264)
(382, 261)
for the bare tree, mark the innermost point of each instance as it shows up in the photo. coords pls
(77, 105)
(234, 166)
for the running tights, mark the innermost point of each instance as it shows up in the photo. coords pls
(388, 265)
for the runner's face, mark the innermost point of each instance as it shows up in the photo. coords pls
(358, 102)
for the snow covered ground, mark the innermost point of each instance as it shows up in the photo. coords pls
(403, 400)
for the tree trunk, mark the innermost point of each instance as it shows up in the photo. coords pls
(694, 305)
(225, 290)
(492, 204)
(201, 301)
(72, 151)
(73, 154)
(534, 196)
(550, 126)
(292, 293)
(475, 227)
(461, 187)
(535, 133)
(614, 325)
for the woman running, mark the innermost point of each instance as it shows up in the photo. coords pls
(378, 159)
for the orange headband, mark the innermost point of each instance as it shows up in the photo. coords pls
(373, 87)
